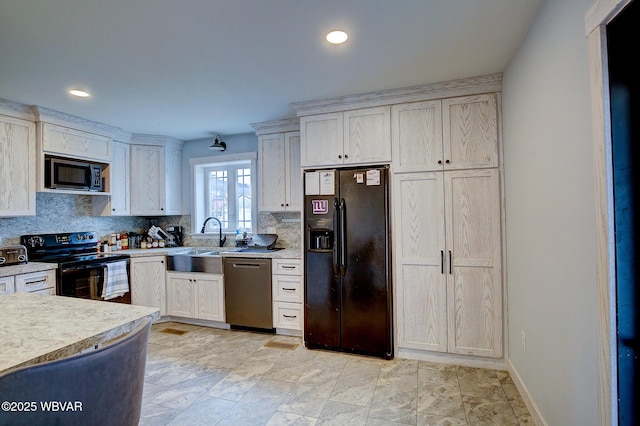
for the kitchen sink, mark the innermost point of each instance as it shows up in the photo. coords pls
(195, 260)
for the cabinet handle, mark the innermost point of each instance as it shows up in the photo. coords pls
(281, 205)
(287, 204)
(288, 289)
(40, 281)
(448, 161)
(288, 267)
(442, 261)
(449, 262)
(289, 316)
(439, 161)
(339, 155)
(346, 156)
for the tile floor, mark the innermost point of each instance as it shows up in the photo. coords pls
(209, 376)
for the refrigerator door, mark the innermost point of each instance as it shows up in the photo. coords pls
(322, 283)
(366, 314)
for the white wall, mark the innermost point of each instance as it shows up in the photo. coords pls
(550, 221)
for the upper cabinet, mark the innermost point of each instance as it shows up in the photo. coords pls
(73, 143)
(360, 136)
(279, 173)
(155, 180)
(17, 167)
(449, 134)
(119, 202)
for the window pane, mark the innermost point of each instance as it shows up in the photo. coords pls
(243, 198)
(219, 196)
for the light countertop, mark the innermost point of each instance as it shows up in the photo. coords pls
(26, 268)
(35, 328)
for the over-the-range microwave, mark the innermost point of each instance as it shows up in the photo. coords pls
(62, 173)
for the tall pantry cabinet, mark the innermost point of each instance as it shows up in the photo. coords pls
(447, 226)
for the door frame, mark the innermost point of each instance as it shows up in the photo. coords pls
(597, 17)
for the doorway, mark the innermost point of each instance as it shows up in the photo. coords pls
(623, 39)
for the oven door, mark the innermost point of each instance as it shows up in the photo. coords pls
(85, 282)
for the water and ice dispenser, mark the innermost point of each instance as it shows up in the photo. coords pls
(320, 239)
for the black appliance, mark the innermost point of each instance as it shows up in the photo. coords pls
(81, 268)
(348, 303)
(62, 173)
(175, 236)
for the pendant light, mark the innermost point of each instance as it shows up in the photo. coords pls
(218, 145)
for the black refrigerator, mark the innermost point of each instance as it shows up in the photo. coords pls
(348, 303)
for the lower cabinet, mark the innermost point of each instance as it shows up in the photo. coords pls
(286, 282)
(196, 295)
(148, 283)
(7, 285)
(43, 282)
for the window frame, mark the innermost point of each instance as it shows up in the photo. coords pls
(198, 167)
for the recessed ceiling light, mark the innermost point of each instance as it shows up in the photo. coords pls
(337, 37)
(79, 93)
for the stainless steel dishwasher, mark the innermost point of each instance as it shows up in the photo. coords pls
(247, 292)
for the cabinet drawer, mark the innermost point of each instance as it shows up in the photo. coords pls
(36, 281)
(287, 266)
(287, 315)
(6, 285)
(287, 288)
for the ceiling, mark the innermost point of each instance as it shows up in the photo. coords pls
(191, 69)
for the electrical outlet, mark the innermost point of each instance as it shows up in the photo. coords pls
(271, 230)
(523, 341)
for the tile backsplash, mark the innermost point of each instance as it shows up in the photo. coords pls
(73, 213)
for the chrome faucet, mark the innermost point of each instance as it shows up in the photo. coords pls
(222, 239)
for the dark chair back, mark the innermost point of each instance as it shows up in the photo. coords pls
(100, 387)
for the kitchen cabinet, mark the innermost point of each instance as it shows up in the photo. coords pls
(119, 202)
(148, 282)
(7, 285)
(195, 295)
(359, 136)
(280, 179)
(73, 143)
(43, 282)
(448, 276)
(155, 180)
(17, 167)
(449, 134)
(287, 287)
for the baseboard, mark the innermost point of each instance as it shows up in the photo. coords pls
(536, 415)
(447, 358)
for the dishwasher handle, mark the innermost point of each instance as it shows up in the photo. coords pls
(240, 265)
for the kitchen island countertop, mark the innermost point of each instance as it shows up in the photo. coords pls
(35, 328)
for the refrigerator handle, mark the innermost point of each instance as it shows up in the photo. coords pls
(343, 237)
(442, 261)
(336, 264)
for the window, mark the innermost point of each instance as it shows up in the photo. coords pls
(224, 188)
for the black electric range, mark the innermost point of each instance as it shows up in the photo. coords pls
(81, 268)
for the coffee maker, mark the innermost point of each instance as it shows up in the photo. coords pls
(175, 236)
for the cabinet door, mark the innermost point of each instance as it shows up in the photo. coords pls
(74, 143)
(17, 167)
(210, 297)
(272, 175)
(470, 132)
(6, 285)
(420, 278)
(474, 277)
(181, 296)
(293, 176)
(417, 136)
(367, 136)
(147, 180)
(120, 185)
(321, 138)
(148, 282)
(173, 181)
